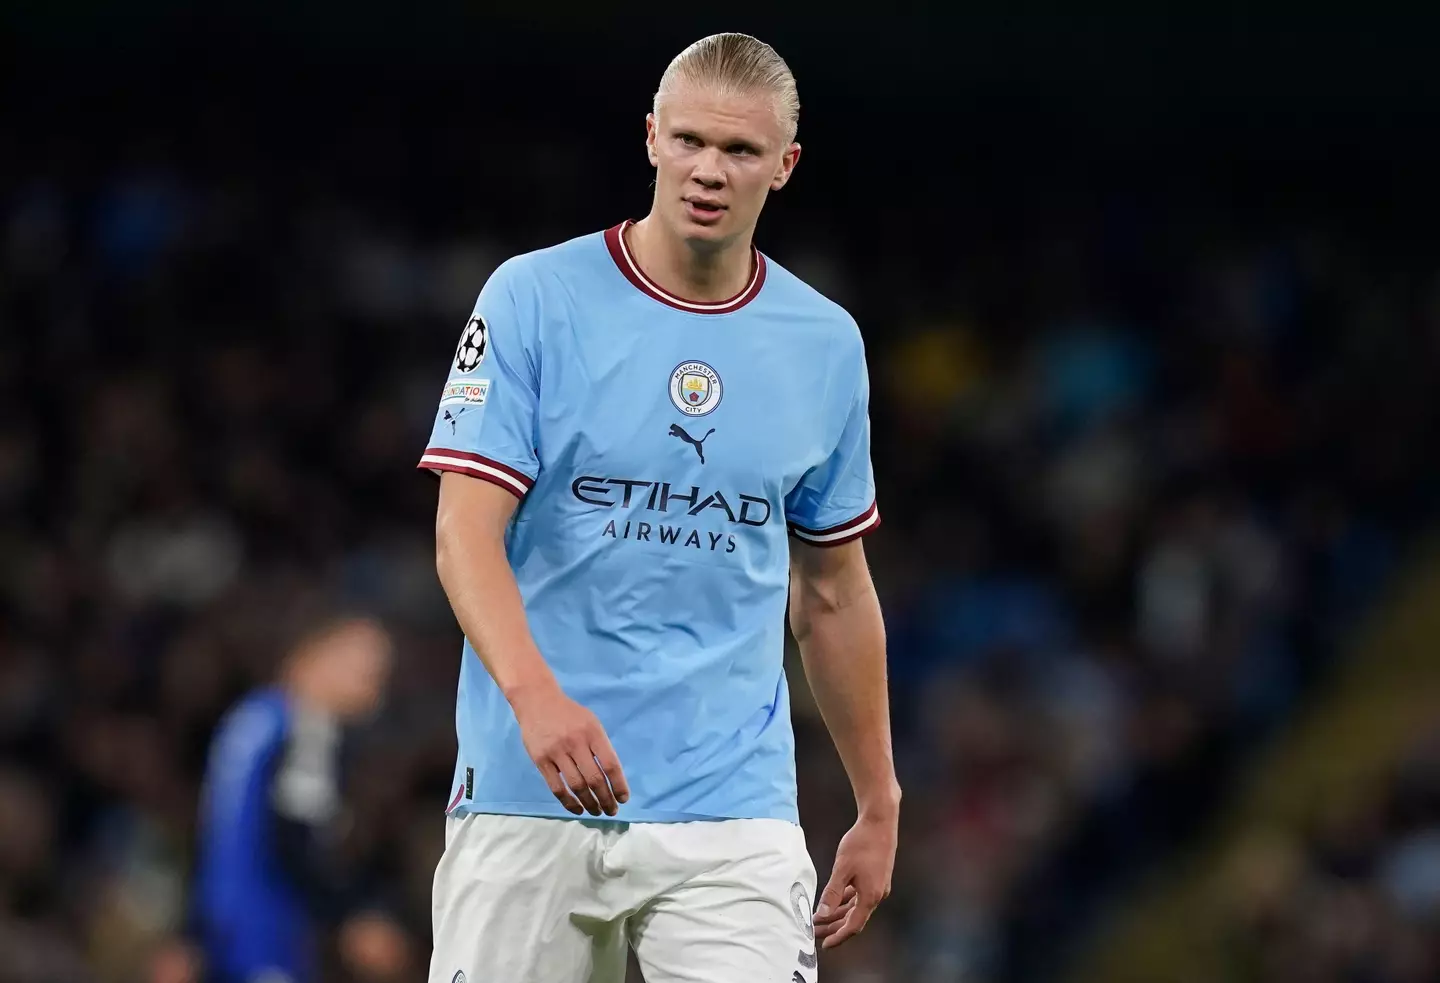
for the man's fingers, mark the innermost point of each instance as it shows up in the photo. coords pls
(610, 765)
(577, 783)
(588, 800)
(595, 780)
(828, 927)
(824, 930)
(557, 785)
(853, 924)
(831, 914)
(834, 894)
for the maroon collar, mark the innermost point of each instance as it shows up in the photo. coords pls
(620, 252)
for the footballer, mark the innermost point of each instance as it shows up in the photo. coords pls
(651, 440)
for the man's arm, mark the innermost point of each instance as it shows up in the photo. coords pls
(835, 616)
(564, 739)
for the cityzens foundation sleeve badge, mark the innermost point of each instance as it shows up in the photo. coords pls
(695, 388)
(473, 392)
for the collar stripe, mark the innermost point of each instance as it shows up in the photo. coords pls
(625, 260)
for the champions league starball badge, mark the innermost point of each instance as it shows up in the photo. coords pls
(471, 350)
(695, 388)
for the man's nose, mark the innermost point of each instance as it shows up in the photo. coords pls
(708, 169)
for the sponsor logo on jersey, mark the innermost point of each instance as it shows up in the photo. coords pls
(678, 431)
(662, 496)
(659, 507)
(695, 388)
(472, 392)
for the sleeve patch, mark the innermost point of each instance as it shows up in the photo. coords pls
(473, 342)
(471, 393)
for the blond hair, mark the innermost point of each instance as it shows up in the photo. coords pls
(738, 64)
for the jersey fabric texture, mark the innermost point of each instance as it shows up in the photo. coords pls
(272, 770)
(664, 452)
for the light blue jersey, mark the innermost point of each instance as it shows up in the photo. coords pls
(663, 450)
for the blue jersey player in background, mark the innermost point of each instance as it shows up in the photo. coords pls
(269, 877)
(651, 440)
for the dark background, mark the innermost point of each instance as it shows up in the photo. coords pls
(1152, 312)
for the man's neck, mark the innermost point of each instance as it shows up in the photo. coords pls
(305, 692)
(707, 275)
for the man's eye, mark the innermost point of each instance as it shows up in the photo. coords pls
(741, 150)
(689, 141)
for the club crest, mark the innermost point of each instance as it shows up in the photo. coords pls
(695, 388)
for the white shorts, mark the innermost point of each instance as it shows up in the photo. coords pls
(527, 900)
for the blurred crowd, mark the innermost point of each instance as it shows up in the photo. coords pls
(1357, 898)
(1139, 467)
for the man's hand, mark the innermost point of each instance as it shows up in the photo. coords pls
(563, 738)
(175, 961)
(860, 880)
(570, 747)
(374, 948)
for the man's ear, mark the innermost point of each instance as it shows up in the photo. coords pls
(788, 160)
(651, 129)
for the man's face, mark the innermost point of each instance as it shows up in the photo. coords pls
(360, 665)
(716, 158)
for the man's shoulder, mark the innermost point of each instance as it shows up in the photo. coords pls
(540, 265)
(267, 704)
(252, 729)
(803, 302)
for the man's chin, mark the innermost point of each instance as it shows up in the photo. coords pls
(706, 235)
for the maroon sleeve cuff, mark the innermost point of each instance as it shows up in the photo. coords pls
(864, 523)
(438, 459)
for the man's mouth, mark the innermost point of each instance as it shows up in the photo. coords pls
(705, 207)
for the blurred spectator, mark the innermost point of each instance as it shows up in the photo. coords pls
(273, 868)
(1357, 899)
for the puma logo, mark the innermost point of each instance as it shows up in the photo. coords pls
(677, 431)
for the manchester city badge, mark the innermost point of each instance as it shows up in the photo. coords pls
(695, 388)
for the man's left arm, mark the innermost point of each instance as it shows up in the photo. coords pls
(835, 617)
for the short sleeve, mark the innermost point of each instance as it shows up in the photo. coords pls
(485, 422)
(835, 500)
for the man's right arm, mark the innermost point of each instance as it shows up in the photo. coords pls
(483, 447)
(470, 557)
(565, 741)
